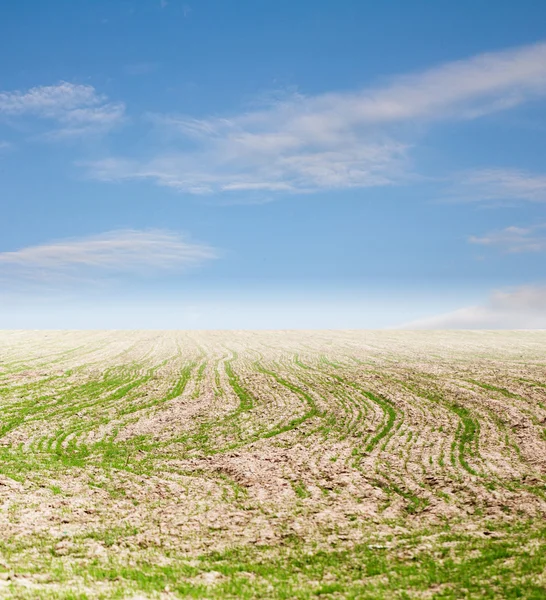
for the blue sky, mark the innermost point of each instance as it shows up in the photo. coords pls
(258, 164)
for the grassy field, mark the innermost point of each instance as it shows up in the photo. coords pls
(272, 464)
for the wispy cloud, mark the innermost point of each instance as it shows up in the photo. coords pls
(125, 251)
(522, 308)
(334, 140)
(76, 109)
(363, 165)
(515, 239)
(501, 185)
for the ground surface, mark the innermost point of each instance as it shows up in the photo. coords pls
(272, 465)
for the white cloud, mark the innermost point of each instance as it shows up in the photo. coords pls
(515, 239)
(205, 172)
(522, 308)
(334, 140)
(77, 109)
(126, 251)
(502, 185)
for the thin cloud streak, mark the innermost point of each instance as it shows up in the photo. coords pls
(121, 252)
(483, 185)
(77, 109)
(334, 140)
(514, 239)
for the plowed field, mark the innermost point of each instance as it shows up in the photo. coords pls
(272, 464)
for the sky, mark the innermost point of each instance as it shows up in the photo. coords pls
(272, 165)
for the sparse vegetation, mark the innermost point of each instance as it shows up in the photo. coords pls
(272, 465)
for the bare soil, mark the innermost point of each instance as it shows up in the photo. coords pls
(135, 464)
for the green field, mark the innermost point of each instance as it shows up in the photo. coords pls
(272, 464)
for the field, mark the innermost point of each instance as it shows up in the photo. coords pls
(272, 464)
